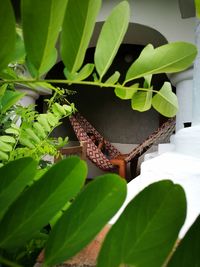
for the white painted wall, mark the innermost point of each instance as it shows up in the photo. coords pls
(161, 15)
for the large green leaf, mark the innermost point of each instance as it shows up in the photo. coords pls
(9, 99)
(7, 33)
(78, 26)
(42, 21)
(141, 101)
(111, 36)
(40, 202)
(90, 211)
(187, 253)
(146, 231)
(13, 178)
(173, 57)
(166, 101)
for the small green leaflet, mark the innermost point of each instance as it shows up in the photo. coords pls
(84, 73)
(126, 92)
(166, 102)
(141, 101)
(113, 78)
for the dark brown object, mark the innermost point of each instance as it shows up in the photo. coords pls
(82, 127)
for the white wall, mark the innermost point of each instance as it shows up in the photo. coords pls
(161, 15)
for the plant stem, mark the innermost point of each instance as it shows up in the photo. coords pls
(99, 84)
(69, 82)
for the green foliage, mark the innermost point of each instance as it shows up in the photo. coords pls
(128, 92)
(173, 57)
(148, 228)
(32, 136)
(141, 101)
(144, 234)
(84, 73)
(166, 102)
(52, 191)
(101, 206)
(15, 176)
(197, 6)
(77, 31)
(37, 204)
(8, 99)
(107, 47)
(113, 78)
(75, 21)
(42, 54)
(19, 54)
(188, 251)
(7, 33)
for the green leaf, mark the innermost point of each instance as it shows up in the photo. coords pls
(111, 36)
(40, 202)
(9, 99)
(166, 102)
(19, 53)
(141, 101)
(32, 135)
(12, 131)
(70, 76)
(147, 81)
(197, 7)
(44, 87)
(8, 73)
(7, 33)
(42, 22)
(84, 73)
(148, 228)
(33, 71)
(78, 26)
(127, 92)
(173, 57)
(59, 214)
(5, 147)
(14, 176)
(89, 212)
(3, 156)
(2, 92)
(113, 78)
(187, 253)
(7, 139)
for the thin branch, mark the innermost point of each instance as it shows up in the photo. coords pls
(69, 82)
